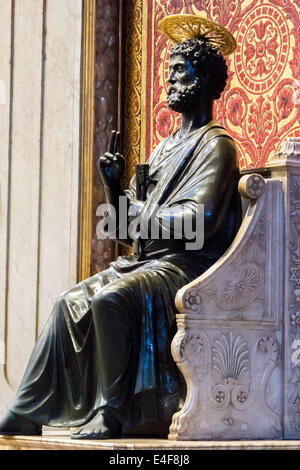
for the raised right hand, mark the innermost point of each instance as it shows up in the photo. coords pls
(112, 164)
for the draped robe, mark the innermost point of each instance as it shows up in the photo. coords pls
(107, 341)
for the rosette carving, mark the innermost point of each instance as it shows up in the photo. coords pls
(252, 186)
(239, 396)
(221, 395)
(242, 286)
(192, 301)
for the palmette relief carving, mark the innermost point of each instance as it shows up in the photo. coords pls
(230, 359)
(227, 378)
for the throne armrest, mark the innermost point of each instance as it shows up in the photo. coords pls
(245, 282)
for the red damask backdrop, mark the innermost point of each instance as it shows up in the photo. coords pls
(260, 106)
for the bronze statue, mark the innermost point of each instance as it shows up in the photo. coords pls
(103, 359)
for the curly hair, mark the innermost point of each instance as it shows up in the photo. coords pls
(209, 64)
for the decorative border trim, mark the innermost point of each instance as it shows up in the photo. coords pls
(87, 139)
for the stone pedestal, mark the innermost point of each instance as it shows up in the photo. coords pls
(63, 442)
(286, 169)
(238, 339)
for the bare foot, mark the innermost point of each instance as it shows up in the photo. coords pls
(104, 425)
(16, 425)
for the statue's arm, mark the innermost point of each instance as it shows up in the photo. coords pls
(121, 205)
(215, 193)
(213, 188)
(111, 167)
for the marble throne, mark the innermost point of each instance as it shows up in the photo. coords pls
(238, 339)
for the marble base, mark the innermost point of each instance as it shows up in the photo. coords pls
(59, 442)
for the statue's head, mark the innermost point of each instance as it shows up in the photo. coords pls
(196, 67)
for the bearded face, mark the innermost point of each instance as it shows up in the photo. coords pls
(184, 87)
(181, 98)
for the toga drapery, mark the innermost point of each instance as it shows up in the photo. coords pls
(107, 341)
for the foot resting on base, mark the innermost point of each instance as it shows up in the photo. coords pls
(16, 425)
(104, 425)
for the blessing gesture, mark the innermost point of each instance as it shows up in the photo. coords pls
(112, 164)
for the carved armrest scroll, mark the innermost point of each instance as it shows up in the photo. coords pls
(251, 186)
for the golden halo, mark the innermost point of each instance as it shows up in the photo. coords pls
(178, 28)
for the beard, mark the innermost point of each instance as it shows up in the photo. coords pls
(182, 98)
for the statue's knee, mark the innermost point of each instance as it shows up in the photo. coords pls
(103, 302)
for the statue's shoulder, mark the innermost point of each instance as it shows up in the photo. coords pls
(221, 144)
(215, 131)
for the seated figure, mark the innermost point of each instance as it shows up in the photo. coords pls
(103, 358)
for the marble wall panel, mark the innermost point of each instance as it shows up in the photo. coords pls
(60, 153)
(24, 181)
(5, 75)
(40, 90)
